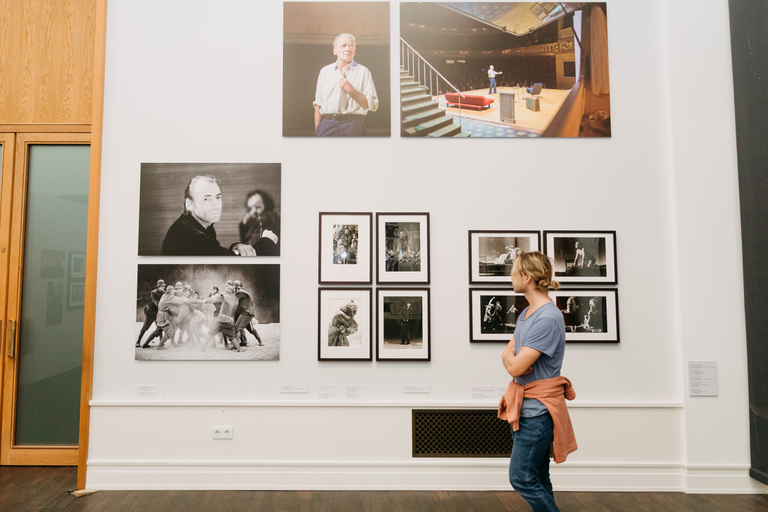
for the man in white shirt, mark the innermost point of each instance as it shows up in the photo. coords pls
(345, 93)
(492, 76)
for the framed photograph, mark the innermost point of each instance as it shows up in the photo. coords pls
(345, 248)
(210, 209)
(311, 49)
(500, 93)
(582, 257)
(402, 255)
(591, 315)
(345, 329)
(219, 313)
(402, 324)
(76, 295)
(491, 253)
(76, 265)
(493, 314)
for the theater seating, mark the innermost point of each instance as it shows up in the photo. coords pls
(467, 101)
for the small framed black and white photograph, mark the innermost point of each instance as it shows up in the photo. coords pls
(403, 324)
(491, 253)
(582, 257)
(345, 255)
(403, 248)
(493, 314)
(591, 315)
(345, 329)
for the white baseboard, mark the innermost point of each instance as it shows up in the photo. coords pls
(470, 475)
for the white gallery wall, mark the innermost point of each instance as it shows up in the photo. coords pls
(201, 81)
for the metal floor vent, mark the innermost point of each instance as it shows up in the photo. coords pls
(460, 433)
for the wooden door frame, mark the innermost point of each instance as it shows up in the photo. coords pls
(28, 455)
(92, 252)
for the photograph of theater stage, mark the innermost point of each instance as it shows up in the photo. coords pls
(504, 69)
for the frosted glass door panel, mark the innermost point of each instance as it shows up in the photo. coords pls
(52, 297)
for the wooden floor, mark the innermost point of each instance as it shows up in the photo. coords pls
(45, 489)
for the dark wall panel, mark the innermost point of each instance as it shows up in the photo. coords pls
(749, 47)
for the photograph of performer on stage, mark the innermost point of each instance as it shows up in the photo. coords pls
(504, 69)
(336, 69)
(403, 247)
(209, 209)
(208, 312)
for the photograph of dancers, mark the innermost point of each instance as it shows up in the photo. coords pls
(203, 312)
(492, 253)
(493, 314)
(203, 209)
(504, 69)
(590, 315)
(336, 69)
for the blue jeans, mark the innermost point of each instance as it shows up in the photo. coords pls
(529, 463)
(492, 90)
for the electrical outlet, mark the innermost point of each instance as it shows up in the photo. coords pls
(225, 432)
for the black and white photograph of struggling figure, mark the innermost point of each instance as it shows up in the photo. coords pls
(343, 327)
(209, 209)
(580, 256)
(403, 247)
(583, 313)
(336, 69)
(403, 326)
(499, 313)
(208, 312)
(345, 242)
(497, 253)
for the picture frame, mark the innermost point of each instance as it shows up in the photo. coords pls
(402, 255)
(582, 257)
(403, 324)
(76, 294)
(492, 252)
(76, 265)
(344, 248)
(591, 314)
(210, 334)
(493, 314)
(175, 204)
(52, 264)
(345, 333)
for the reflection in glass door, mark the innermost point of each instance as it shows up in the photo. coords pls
(46, 296)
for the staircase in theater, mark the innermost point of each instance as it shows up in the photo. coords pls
(421, 115)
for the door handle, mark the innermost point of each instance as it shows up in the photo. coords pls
(11, 338)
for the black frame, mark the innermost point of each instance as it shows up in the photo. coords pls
(382, 247)
(369, 280)
(575, 337)
(496, 279)
(575, 280)
(321, 331)
(426, 326)
(496, 291)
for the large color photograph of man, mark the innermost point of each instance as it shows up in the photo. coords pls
(209, 210)
(504, 69)
(336, 69)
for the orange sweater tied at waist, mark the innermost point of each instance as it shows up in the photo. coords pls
(552, 393)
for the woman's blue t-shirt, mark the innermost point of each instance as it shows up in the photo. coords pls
(544, 331)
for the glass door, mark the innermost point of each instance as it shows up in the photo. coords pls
(43, 324)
